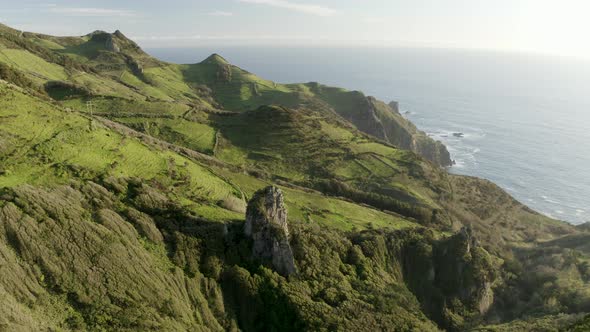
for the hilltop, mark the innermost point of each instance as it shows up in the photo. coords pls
(126, 180)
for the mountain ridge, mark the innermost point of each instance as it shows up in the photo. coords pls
(260, 91)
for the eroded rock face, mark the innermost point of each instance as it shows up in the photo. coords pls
(366, 120)
(111, 45)
(224, 73)
(394, 106)
(266, 224)
(464, 272)
(451, 277)
(479, 290)
(386, 123)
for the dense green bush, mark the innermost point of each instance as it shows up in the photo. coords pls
(63, 90)
(416, 211)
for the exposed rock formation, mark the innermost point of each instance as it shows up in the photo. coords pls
(478, 288)
(224, 73)
(116, 42)
(107, 39)
(452, 278)
(135, 66)
(394, 106)
(401, 132)
(266, 224)
(111, 45)
(464, 272)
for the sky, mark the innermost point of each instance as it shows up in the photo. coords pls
(540, 26)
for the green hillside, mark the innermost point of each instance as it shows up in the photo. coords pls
(124, 183)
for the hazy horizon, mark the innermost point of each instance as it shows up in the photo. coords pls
(545, 27)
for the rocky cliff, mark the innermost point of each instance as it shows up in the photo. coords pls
(419, 142)
(383, 121)
(404, 134)
(266, 225)
(452, 278)
(464, 271)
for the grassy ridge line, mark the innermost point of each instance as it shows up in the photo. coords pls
(328, 210)
(228, 82)
(296, 194)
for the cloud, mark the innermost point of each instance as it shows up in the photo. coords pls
(299, 7)
(220, 13)
(91, 12)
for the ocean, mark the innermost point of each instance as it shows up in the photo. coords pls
(524, 119)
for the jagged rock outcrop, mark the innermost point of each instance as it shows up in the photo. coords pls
(266, 225)
(394, 106)
(111, 45)
(463, 271)
(107, 39)
(117, 42)
(135, 66)
(224, 73)
(452, 278)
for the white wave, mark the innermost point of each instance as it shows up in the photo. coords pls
(459, 164)
(549, 200)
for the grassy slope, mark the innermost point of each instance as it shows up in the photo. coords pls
(179, 103)
(304, 147)
(229, 87)
(239, 90)
(47, 177)
(44, 146)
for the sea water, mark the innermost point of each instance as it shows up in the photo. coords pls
(519, 120)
